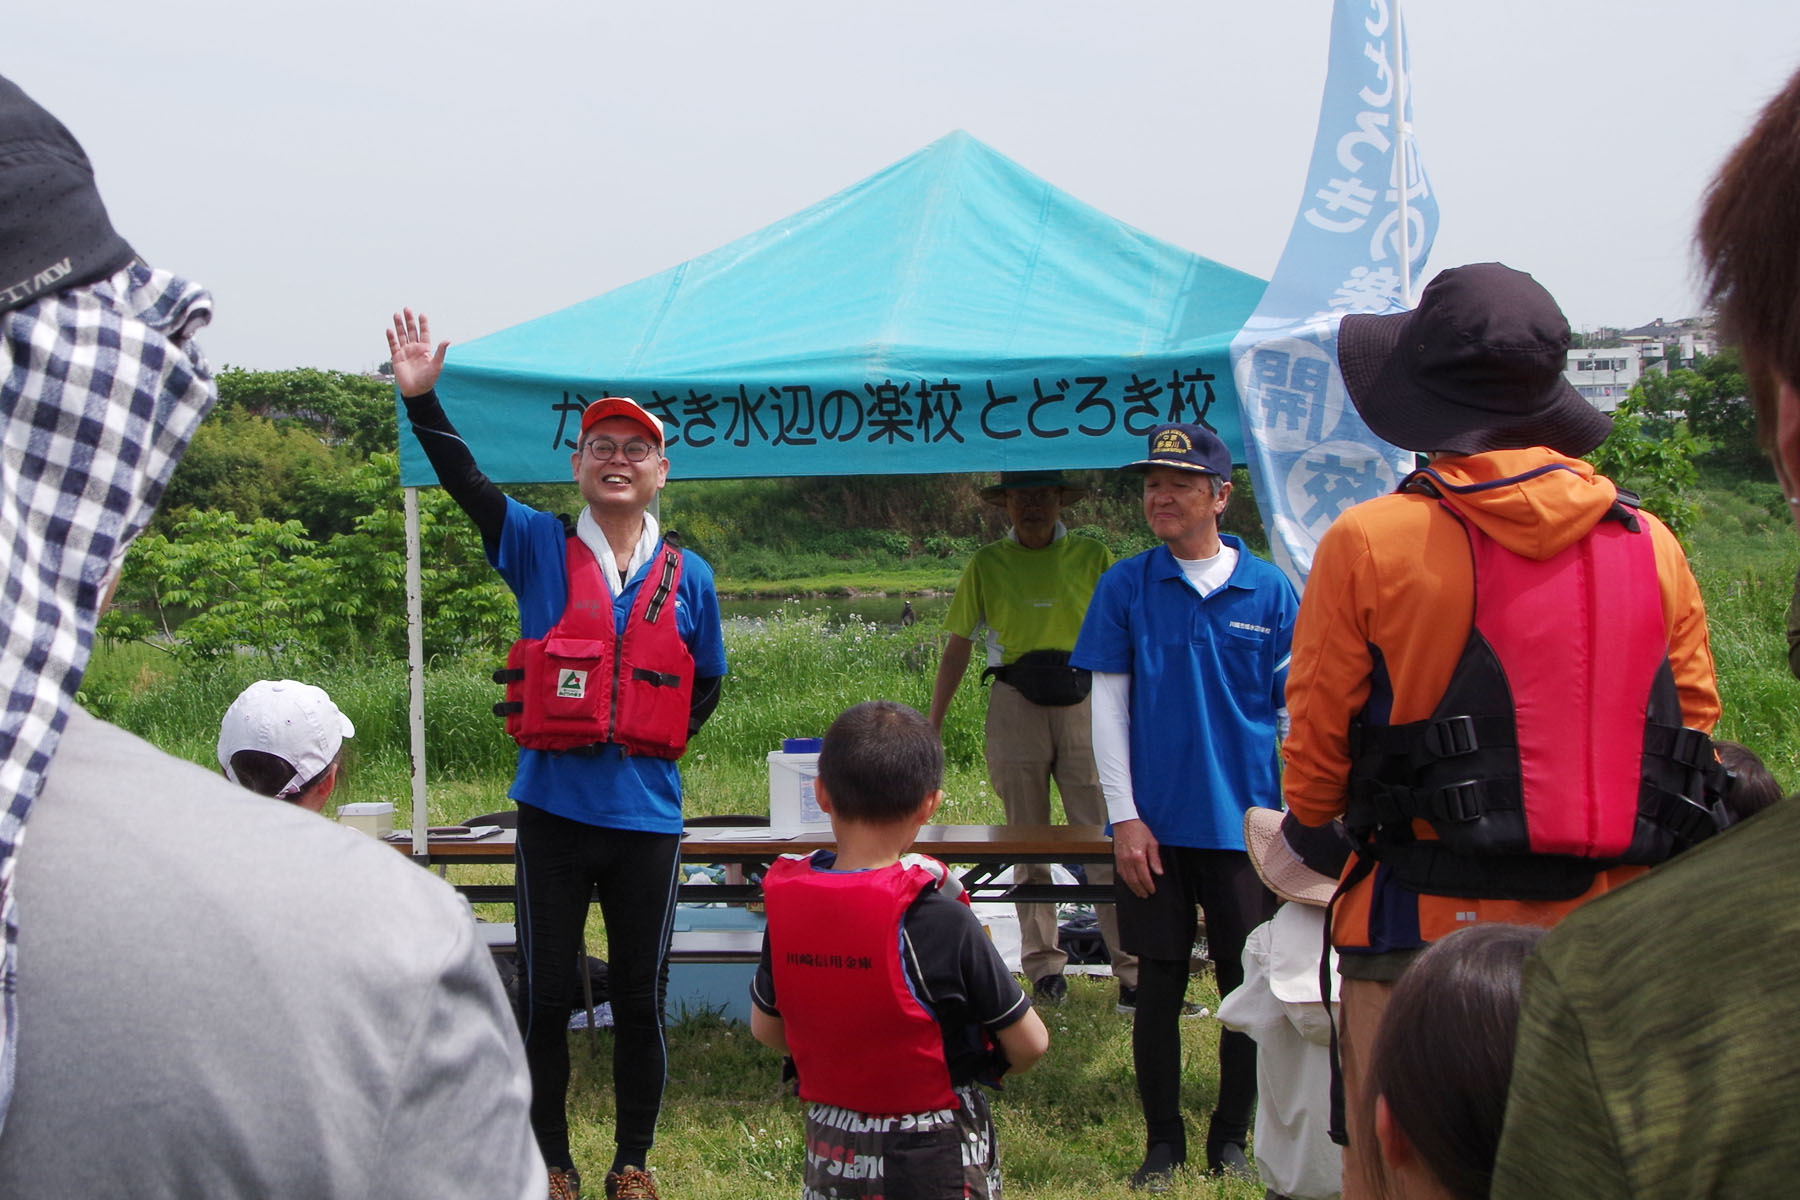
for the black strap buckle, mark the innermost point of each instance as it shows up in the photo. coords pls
(1451, 736)
(655, 678)
(510, 675)
(1459, 802)
(1692, 749)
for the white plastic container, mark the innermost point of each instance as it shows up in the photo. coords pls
(793, 802)
(375, 818)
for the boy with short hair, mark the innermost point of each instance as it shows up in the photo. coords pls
(893, 1000)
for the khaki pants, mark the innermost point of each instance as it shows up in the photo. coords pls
(1360, 1005)
(1027, 745)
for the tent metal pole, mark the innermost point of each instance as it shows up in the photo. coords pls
(415, 674)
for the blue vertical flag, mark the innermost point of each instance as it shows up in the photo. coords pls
(1309, 452)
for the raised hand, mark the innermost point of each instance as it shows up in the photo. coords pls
(416, 367)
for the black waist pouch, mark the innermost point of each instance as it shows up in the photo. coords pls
(1045, 677)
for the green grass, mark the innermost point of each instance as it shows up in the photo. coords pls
(1069, 1127)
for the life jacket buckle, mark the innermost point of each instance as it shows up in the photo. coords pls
(1692, 749)
(1458, 802)
(1451, 736)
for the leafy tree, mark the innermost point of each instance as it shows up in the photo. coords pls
(343, 409)
(215, 585)
(252, 467)
(1719, 410)
(1711, 397)
(1659, 467)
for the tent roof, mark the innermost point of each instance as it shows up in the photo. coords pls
(952, 312)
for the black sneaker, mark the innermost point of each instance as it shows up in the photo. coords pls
(1051, 989)
(1157, 1173)
(1128, 1004)
(1228, 1159)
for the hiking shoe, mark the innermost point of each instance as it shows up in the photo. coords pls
(1128, 1004)
(1051, 989)
(633, 1183)
(565, 1183)
(1157, 1173)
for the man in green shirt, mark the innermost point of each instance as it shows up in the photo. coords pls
(1659, 1038)
(1029, 591)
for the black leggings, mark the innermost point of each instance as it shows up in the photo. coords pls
(559, 862)
(1227, 889)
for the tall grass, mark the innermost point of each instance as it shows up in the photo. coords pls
(791, 675)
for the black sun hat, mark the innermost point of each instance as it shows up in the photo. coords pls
(54, 232)
(1477, 366)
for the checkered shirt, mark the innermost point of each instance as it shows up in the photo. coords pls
(101, 390)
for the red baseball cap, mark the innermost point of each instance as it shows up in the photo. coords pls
(621, 406)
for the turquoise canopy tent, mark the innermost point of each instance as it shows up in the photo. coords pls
(953, 312)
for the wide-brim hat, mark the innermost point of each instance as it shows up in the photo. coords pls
(1067, 493)
(1477, 366)
(1297, 862)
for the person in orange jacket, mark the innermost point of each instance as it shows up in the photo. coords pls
(1476, 654)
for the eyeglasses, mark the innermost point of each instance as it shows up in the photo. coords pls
(602, 449)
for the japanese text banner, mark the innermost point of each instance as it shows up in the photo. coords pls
(1310, 454)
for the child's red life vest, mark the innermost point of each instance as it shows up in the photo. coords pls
(859, 1036)
(1557, 749)
(581, 684)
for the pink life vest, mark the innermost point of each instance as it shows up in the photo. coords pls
(1557, 749)
(582, 684)
(859, 1036)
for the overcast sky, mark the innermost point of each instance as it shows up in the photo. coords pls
(319, 164)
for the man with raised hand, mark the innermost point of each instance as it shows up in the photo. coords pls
(212, 995)
(619, 660)
(1188, 643)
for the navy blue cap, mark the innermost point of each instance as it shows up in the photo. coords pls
(1186, 448)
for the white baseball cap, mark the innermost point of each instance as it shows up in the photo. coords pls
(295, 722)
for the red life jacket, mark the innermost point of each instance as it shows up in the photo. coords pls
(860, 1038)
(1557, 749)
(581, 684)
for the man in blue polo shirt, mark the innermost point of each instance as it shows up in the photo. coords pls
(1189, 645)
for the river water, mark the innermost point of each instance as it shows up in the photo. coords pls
(876, 610)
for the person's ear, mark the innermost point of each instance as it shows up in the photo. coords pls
(1396, 1150)
(314, 801)
(929, 805)
(821, 795)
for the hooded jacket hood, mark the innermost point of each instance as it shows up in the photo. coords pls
(1534, 501)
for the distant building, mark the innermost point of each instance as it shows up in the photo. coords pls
(1614, 359)
(1693, 335)
(1604, 376)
